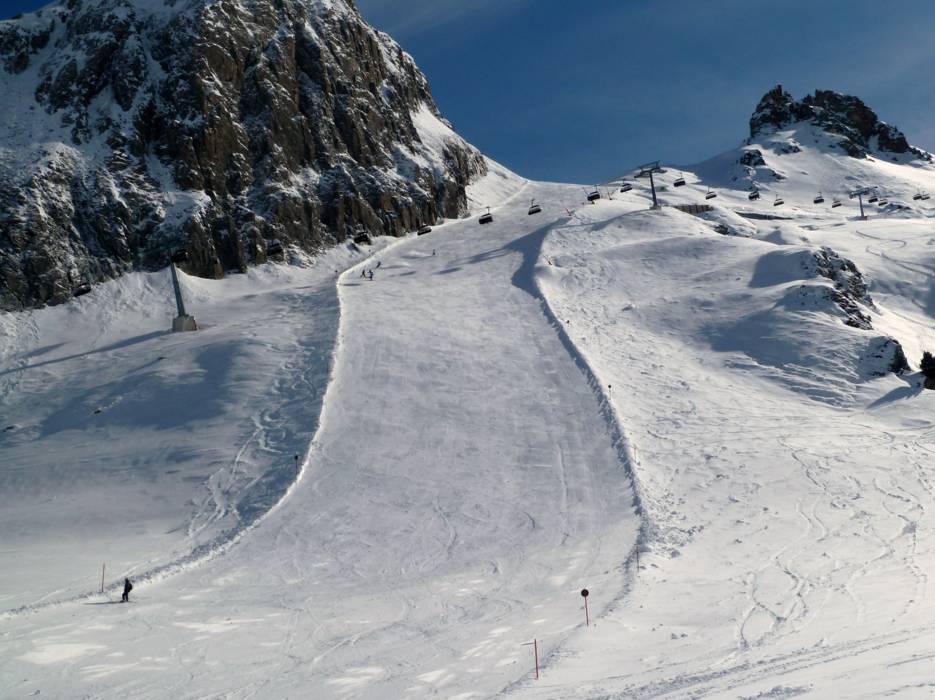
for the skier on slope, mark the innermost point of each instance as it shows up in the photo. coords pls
(127, 587)
(370, 272)
(363, 273)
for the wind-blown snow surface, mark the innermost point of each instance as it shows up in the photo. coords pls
(512, 410)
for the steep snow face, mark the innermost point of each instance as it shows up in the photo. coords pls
(133, 129)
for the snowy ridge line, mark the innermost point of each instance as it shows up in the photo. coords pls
(219, 545)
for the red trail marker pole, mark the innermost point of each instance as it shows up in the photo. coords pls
(587, 617)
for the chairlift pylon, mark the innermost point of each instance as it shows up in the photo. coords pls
(486, 218)
(533, 208)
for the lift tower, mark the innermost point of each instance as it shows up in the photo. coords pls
(649, 169)
(859, 193)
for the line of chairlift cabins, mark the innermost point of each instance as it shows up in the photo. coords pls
(595, 194)
(275, 247)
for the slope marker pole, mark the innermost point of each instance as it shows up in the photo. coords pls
(103, 567)
(587, 616)
(535, 650)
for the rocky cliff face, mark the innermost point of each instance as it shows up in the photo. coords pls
(228, 128)
(861, 130)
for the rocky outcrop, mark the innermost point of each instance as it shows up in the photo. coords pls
(860, 129)
(228, 128)
(850, 293)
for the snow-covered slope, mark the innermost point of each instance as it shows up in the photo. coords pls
(789, 495)
(695, 417)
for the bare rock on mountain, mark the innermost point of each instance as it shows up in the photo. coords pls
(135, 128)
(861, 130)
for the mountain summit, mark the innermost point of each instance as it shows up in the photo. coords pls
(861, 131)
(233, 128)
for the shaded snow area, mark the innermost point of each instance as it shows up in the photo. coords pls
(693, 417)
(141, 448)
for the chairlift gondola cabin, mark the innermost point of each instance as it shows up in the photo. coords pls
(533, 208)
(625, 187)
(835, 203)
(778, 201)
(82, 289)
(274, 247)
(753, 196)
(424, 230)
(883, 202)
(679, 181)
(924, 196)
(819, 199)
(593, 196)
(917, 196)
(711, 194)
(486, 218)
(873, 199)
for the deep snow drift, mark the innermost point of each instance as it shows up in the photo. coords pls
(504, 415)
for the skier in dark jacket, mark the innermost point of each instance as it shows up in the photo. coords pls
(370, 273)
(127, 587)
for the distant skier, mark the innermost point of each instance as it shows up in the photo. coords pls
(379, 262)
(433, 251)
(370, 273)
(363, 273)
(127, 587)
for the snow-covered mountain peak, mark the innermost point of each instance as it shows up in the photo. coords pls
(858, 130)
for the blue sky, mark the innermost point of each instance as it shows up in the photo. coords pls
(583, 91)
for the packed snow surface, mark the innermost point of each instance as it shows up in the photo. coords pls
(597, 396)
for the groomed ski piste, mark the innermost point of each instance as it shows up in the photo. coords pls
(505, 415)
